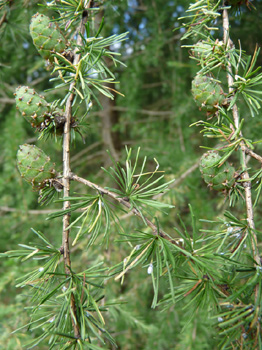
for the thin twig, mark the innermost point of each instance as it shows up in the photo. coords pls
(144, 111)
(253, 154)
(7, 100)
(140, 111)
(179, 179)
(66, 171)
(124, 202)
(3, 18)
(245, 176)
(82, 153)
(31, 212)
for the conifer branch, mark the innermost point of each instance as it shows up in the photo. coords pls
(6, 209)
(125, 202)
(211, 267)
(245, 176)
(3, 18)
(253, 154)
(243, 149)
(65, 249)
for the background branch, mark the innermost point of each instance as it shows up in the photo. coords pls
(5, 209)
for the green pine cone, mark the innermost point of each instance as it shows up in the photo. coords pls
(218, 177)
(33, 107)
(37, 111)
(205, 49)
(207, 93)
(35, 166)
(201, 49)
(208, 161)
(46, 36)
(225, 178)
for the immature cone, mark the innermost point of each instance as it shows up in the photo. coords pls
(36, 110)
(46, 36)
(218, 177)
(35, 166)
(33, 107)
(204, 49)
(207, 93)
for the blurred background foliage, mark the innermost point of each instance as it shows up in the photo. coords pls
(155, 114)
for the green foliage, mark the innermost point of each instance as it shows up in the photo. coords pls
(97, 215)
(245, 84)
(137, 187)
(203, 275)
(203, 14)
(92, 64)
(70, 11)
